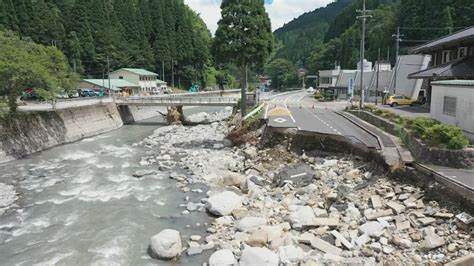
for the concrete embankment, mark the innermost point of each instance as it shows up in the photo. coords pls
(32, 132)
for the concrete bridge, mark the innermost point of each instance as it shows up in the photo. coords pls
(178, 101)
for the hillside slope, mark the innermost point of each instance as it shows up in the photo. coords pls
(300, 36)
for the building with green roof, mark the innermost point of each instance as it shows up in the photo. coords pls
(147, 81)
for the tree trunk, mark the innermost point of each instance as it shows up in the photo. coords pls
(244, 85)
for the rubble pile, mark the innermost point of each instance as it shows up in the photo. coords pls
(272, 206)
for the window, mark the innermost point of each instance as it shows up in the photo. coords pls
(449, 106)
(446, 57)
(120, 77)
(462, 52)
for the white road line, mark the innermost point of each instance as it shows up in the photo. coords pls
(291, 116)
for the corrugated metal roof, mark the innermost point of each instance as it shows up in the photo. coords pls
(465, 34)
(457, 82)
(114, 83)
(140, 71)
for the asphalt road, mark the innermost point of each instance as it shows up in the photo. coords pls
(299, 110)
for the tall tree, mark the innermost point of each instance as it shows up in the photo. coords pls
(243, 37)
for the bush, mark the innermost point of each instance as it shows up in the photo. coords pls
(446, 136)
(421, 124)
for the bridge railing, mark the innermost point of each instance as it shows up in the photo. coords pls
(193, 94)
(178, 100)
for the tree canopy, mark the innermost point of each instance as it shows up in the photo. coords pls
(27, 65)
(130, 33)
(243, 36)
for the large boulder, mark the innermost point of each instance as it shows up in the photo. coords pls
(233, 179)
(250, 223)
(222, 257)
(166, 244)
(224, 203)
(299, 175)
(258, 256)
(301, 216)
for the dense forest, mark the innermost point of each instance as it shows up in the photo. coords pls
(125, 33)
(419, 21)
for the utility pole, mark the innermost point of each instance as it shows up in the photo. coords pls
(172, 73)
(377, 82)
(398, 39)
(364, 15)
(108, 76)
(163, 70)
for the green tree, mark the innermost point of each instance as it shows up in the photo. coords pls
(283, 73)
(25, 65)
(243, 37)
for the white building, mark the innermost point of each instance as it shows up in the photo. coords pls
(328, 78)
(452, 102)
(367, 66)
(147, 80)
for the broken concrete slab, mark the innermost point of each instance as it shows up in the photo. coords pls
(431, 239)
(376, 201)
(377, 214)
(396, 207)
(321, 245)
(326, 221)
(342, 239)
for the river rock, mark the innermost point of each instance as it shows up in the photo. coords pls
(291, 255)
(223, 203)
(7, 195)
(166, 244)
(372, 228)
(301, 216)
(142, 173)
(233, 179)
(222, 257)
(250, 223)
(252, 256)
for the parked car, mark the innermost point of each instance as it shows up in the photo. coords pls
(87, 93)
(310, 90)
(30, 95)
(73, 94)
(395, 100)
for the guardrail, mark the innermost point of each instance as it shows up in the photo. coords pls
(170, 101)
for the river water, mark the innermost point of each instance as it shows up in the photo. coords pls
(80, 205)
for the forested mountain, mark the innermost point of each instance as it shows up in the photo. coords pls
(300, 36)
(419, 21)
(130, 33)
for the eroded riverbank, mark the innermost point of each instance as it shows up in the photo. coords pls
(100, 200)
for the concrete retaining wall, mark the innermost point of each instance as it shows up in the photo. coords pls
(33, 132)
(422, 152)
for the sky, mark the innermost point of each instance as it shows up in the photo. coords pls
(280, 11)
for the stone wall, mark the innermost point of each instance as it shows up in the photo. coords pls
(32, 132)
(420, 151)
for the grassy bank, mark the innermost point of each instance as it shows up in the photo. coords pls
(430, 131)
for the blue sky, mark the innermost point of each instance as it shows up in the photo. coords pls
(280, 11)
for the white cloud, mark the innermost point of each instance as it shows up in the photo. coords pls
(280, 11)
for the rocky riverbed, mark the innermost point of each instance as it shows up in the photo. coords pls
(272, 206)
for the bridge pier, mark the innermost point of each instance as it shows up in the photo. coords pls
(175, 115)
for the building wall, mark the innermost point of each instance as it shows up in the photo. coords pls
(464, 106)
(328, 74)
(126, 75)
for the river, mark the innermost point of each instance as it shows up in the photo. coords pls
(80, 205)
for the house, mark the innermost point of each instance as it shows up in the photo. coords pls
(452, 102)
(452, 58)
(345, 83)
(116, 85)
(328, 78)
(146, 80)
